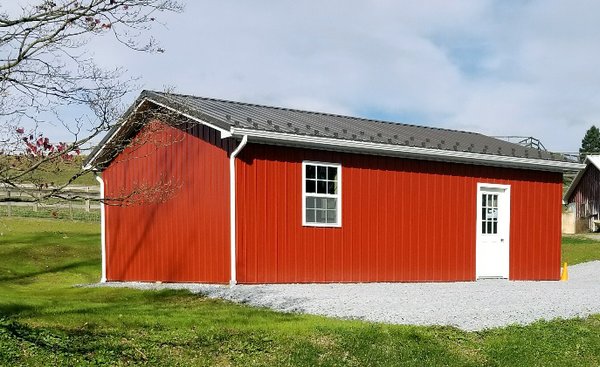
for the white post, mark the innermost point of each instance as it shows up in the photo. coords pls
(87, 199)
(102, 227)
(232, 224)
(9, 204)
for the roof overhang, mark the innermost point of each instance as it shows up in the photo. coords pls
(353, 146)
(153, 100)
(127, 120)
(589, 160)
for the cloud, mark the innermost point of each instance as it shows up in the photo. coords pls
(503, 68)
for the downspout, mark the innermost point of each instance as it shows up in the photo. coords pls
(102, 226)
(232, 222)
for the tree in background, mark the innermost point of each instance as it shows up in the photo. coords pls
(46, 66)
(590, 143)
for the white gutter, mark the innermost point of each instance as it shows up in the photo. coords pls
(102, 227)
(232, 221)
(411, 152)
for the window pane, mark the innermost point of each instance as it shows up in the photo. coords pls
(483, 200)
(331, 203)
(310, 216)
(321, 187)
(495, 229)
(332, 173)
(489, 200)
(331, 187)
(311, 186)
(331, 216)
(310, 171)
(489, 227)
(321, 173)
(483, 215)
(320, 203)
(310, 203)
(483, 227)
(321, 216)
(495, 200)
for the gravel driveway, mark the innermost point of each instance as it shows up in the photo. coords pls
(469, 306)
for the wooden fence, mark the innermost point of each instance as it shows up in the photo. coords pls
(85, 198)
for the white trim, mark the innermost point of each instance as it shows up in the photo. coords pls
(90, 165)
(506, 224)
(411, 152)
(224, 132)
(337, 196)
(102, 227)
(232, 209)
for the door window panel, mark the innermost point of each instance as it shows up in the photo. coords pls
(489, 213)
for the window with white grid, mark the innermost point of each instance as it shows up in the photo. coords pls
(321, 194)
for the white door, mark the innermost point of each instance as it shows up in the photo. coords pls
(493, 225)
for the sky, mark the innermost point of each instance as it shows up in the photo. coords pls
(526, 68)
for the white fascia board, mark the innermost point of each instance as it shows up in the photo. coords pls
(408, 152)
(224, 132)
(90, 165)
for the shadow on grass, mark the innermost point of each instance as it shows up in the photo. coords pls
(52, 238)
(55, 269)
(13, 309)
(66, 344)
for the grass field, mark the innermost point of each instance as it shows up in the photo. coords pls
(44, 320)
(579, 249)
(59, 172)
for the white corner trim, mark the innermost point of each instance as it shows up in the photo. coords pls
(232, 212)
(102, 227)
(410, 152)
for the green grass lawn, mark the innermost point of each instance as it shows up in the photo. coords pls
(44, 320)
(58, 172)
(579, 249)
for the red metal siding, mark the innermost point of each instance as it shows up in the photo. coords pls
(178, 236)
(402, 220)
(586, 195)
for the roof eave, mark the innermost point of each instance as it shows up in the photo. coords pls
(91, 162)
(575, 182)
(145, 98)
(406, 151)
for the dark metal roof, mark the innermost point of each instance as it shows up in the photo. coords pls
(278, 119)
(228, 114)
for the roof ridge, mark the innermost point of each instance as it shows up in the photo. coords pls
(314, 112)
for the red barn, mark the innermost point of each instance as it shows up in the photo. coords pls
(584, 195)
(206, 190)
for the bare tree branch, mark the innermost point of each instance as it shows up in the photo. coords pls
(46, 66)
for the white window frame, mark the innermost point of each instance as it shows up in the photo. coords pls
(337, 196)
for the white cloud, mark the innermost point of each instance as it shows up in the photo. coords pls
(502, 68)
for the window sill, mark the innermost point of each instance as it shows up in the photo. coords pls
(322, 225)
